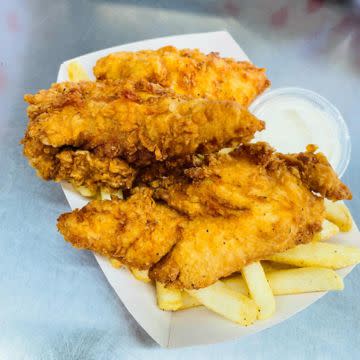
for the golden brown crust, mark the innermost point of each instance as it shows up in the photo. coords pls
(317, 173)
(214, 247)
(313, 170)
(244, 207)
(117, 120)
(228, 211)
(136, 231)
(79, 167)
(87, 133)
(187, 72)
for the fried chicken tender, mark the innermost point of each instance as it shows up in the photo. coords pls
(317, 173)
(207, 195)
(244, 207)
(187, 72)
(138, 123)
(79, 167)
(137, 231)
(230, 211)
(161, 174)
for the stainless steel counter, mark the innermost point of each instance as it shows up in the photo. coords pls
(54, 302)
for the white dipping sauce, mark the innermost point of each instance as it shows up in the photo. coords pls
(293, 123)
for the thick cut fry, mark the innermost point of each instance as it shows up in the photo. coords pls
(168, 299)
(104, 195)
(188, 301)
(226, 302)
(120, 194)
(85, 191)
(76, 72)
(339, 214)
(237, 283)
(259, 289)
(269, 266)
(302, 280)
(329, 229)
(142, 275)
(115, 263)
(319, 254)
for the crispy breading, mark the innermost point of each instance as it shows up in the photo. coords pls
(207, 194)
(317, 173)
(313, 168)
(159, 174)
(117, 120)
(79, 167)
(244, 206)
(136, 231)
(188, 72)
(236, 208)
(268, 202)
(87, 133)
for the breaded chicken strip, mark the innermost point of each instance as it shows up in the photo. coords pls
(136, 231)
(188, 72)
(237, 209)
(245, 206)
(317, 173)
(137, 123)
(223, 179)
(79, 167)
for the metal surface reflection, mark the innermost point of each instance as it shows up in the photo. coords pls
(54, 302)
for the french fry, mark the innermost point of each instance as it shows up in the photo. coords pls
(167, 298)
(328, 230)
(319, 254)
(225, 151)
(76, 72)
(259, 289)
(115, 263)
(188, 301)
(302, 280)
(339, 214)
(85, 191)
(141, 275)
(228, 303)
(269, 266)
(237, 283)
(104, 195)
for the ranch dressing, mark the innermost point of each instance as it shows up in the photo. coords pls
(293, 122)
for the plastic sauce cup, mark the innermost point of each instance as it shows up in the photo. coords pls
(297, 117)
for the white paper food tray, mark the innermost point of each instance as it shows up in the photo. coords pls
(194, 326)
